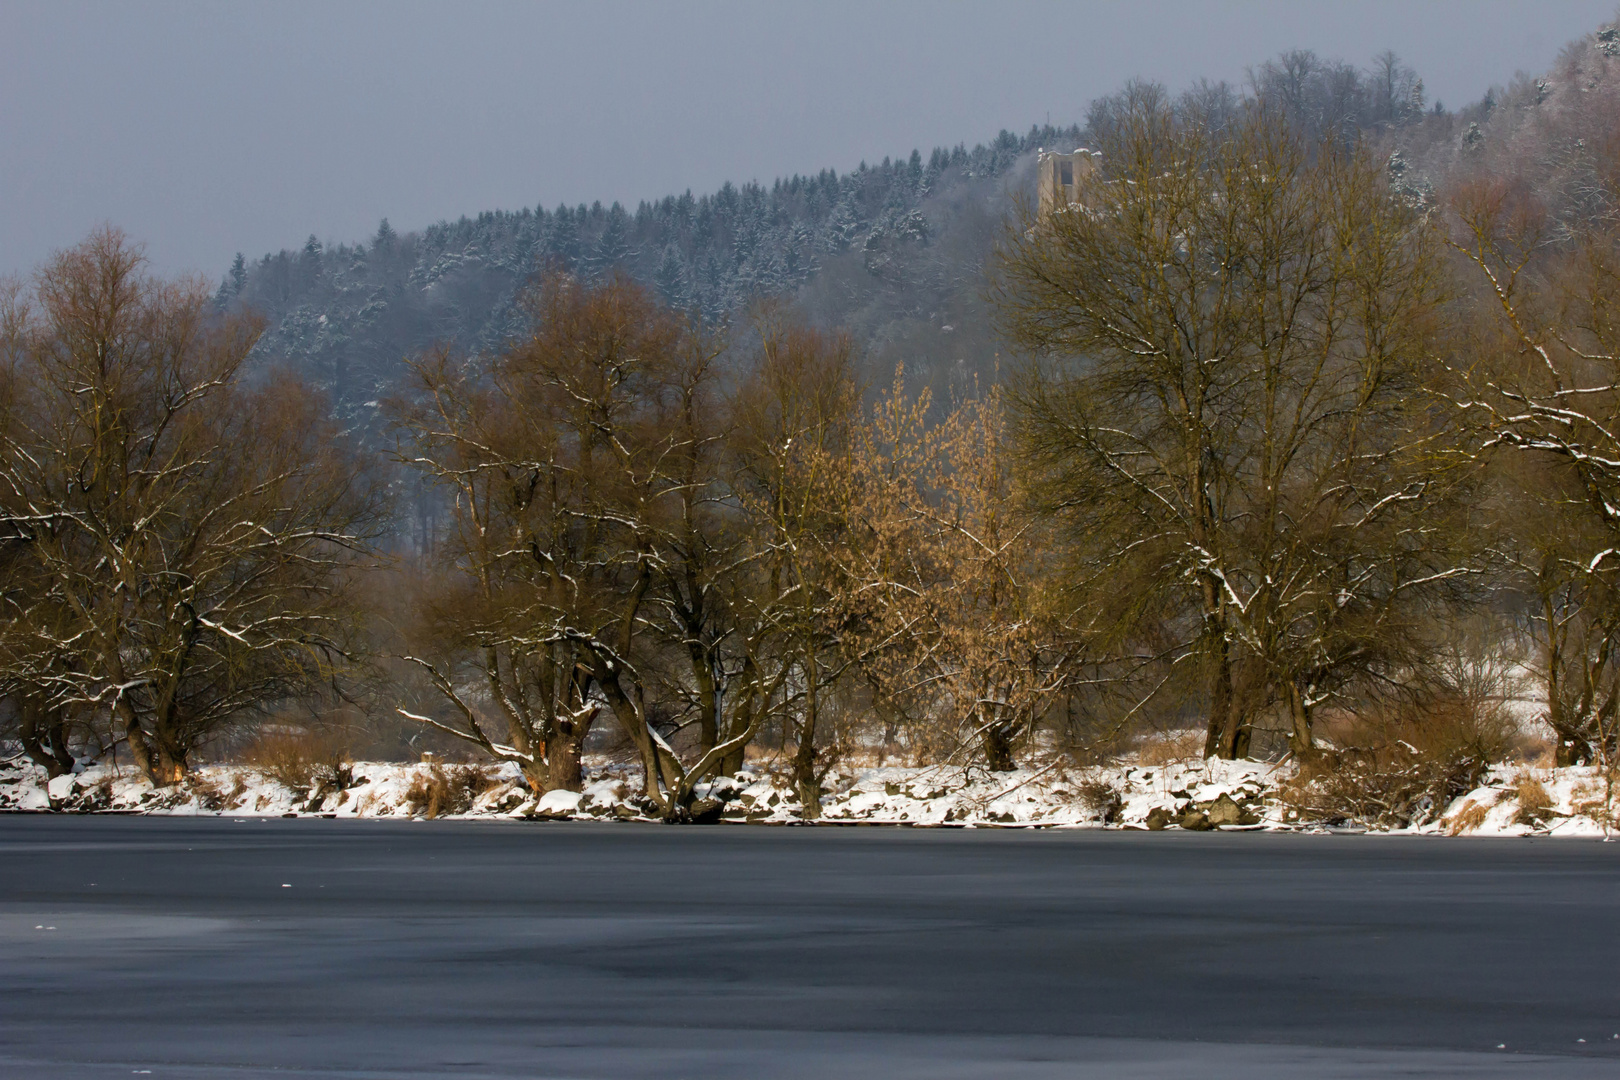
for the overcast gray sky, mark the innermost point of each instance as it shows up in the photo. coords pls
(204, 129)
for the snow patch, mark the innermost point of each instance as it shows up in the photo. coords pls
(1192, 795)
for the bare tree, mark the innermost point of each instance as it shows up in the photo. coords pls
(791, 445)
(185, 540)
(1226, 409)
(589, 543)
(1545, 383)
(483, 576)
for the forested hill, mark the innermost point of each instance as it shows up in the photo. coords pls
(893, 251)
(347, 314)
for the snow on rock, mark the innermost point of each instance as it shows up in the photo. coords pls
(557, 804)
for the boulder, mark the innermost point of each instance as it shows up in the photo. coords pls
(706, 811)
(1223, 811)
(557, 805)
(1195, 821)
(1158, 818)
(60, 787)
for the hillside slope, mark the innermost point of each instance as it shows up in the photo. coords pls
(893, 251)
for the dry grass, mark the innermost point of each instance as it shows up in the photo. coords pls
(301, 760)
(447, 789)
(207, 793)
(1596, 799)
(1171, 747)
(1535, 805)
(210, 797)
(1469, 816)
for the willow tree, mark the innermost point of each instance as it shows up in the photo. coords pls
(1230, 334)
(588, 565)
(181, 540)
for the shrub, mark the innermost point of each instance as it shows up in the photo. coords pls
(1102, 797)
(1595, 798)
(210, 797)
(447, 789)
(301, 760)
(1171, 747)
(1399, 764)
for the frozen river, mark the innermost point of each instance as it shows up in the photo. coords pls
(215, 948)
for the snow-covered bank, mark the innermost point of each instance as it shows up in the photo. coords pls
(1195, 795)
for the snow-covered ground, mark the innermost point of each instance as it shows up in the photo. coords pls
(1197, 795)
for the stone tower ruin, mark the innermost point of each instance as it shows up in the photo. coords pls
(1057, 176)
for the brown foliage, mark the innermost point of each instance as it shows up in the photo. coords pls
(945, 596)
(1102, 797)
(1534, 803)
(1171, 747)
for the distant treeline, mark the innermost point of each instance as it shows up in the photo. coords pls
(904, 240)
(350, 313)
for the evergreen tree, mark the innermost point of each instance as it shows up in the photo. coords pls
(671, 279)
(386, 240)
(563, 242)
(613, 246)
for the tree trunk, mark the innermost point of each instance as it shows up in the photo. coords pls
(708, 697)
(139, 748)
(1216, 739)
(804, 767)
(1299, 737)
(1566, 747)
(804, 757)
(1568, 750)
(564, 753)
(732, 763)
(171, 762)
(634, 724)
(998, 749)
(39, 726)
(1242, 736)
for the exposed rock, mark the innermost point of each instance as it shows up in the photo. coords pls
(1223, 811)
(1195, 821)
(706, 811)
(1158, 818)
